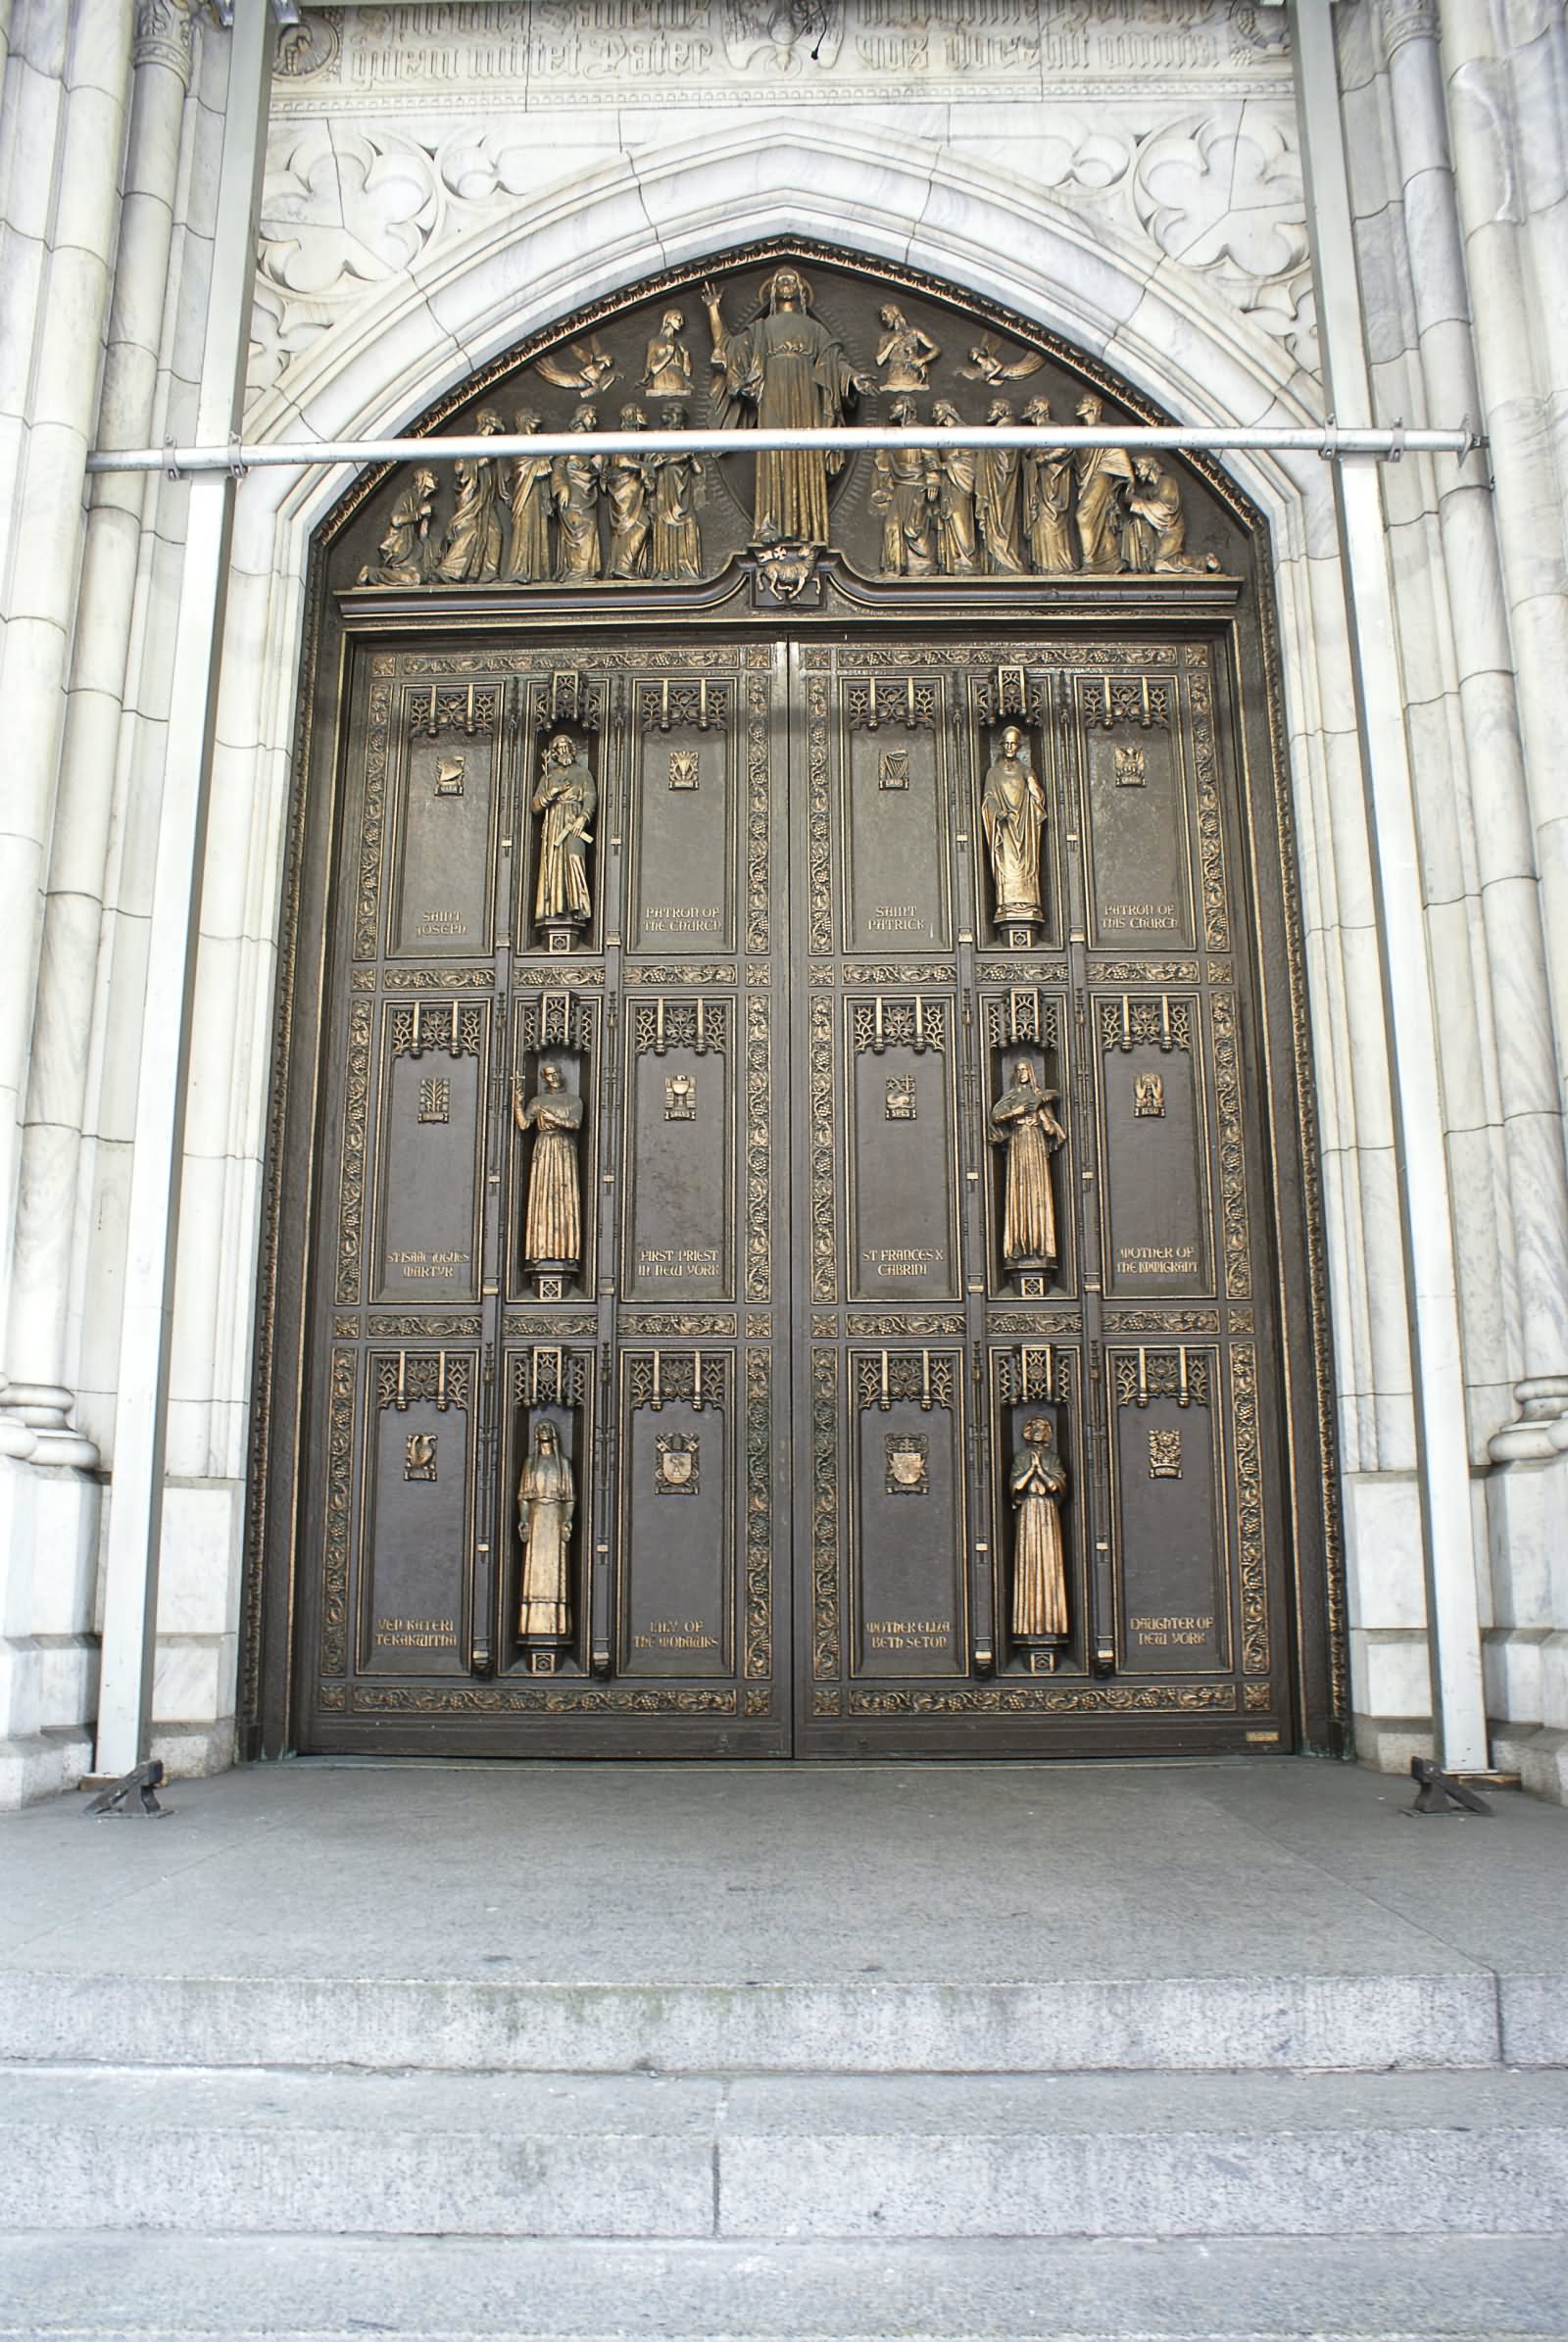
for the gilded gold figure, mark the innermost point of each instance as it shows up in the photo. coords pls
(575, 490)
(1037, 1482)
(1012, 807)
(667, 362)
(568, 799)
(552, 1228)
(547, 1507)
(955, 476)
(627, 485)
(1103, 474)
(904, 490)
(471, 549)
(528, 494)
(996, 499)
(794, 372)
(1155, 534)
(405, 550)
(905, 352)
(1022, 1121)
(1047, 499)
(679, 487)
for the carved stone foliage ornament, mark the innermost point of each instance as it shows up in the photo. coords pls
(788, 346)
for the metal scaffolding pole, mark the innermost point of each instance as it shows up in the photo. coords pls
(1327, 440)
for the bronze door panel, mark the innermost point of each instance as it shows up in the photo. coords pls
(790, 1209)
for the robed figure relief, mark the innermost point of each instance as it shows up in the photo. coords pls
(679, 490)
(1037, 1482)
(547, 1507)
(904, 490)
(528, 494)
(996, 499)
(904, 354)
(793, 372)
(628, 481)
(1154, 536)
(1047, 499)
(551, 1226)
(566, 798)
(956, 555)
(407, 553)
(575, 490)
(1103, 474)
(667, 362)
(1022, 1121)
(1013, 808)
(471, 549)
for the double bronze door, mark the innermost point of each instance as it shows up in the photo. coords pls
(698, 1362)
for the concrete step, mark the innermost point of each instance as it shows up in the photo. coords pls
(309, 2290)
(1353, 2022)
(775, 2157)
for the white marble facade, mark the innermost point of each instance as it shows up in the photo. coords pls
(441, 179)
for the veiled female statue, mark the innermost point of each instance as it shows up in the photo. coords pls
(471, 549)
(1047, 499)
(795, 373)
(405, 550)
(1037, 1482)
(552, 1227)
(1012, 810)
(1022, 1121)
(666, 361)
(547, 1506)
(528, 494)
(568, 799)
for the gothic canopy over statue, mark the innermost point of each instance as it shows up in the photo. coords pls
(782, 337)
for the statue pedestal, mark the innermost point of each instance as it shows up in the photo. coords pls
(551, 1278)
(559, 934)
(1040, 1657)
(1031, 1278)
(544, 1658)
(1018, 930)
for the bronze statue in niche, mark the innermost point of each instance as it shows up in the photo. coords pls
(529, 494)
(574, 489)
(1012, 810)
(679, 487)
(547, 1508)
(1022, 1121)
(552, 1227)
(1047, 499)
(567, 797)
(794, 372)
(471, 549)
(1037, 1482)
(407, 555)
(903, 491)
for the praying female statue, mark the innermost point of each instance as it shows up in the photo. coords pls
(1022, 1121)
(794, 372)
(471, 549)
(1037, 1482)
(551, 1226)
(1012, 810)
(568, 799)
(405, 550)
(666, 361)
(547, 1506)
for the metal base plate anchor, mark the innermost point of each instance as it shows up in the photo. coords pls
(1442, 1792)
(118, 1803)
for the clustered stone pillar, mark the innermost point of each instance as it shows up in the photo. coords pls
(92, 748)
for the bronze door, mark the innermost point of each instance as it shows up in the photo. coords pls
(788, 1271)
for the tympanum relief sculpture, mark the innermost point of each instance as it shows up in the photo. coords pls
(787, 347)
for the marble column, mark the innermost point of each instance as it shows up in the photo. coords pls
(93, 748)
(1510, 898)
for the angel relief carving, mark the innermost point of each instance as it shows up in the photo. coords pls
(786, 351)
